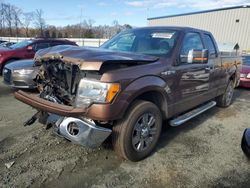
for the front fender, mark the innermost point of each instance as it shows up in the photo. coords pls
(118, 108)
(145, 84)
(141, 86)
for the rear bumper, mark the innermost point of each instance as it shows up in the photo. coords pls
(244, 82)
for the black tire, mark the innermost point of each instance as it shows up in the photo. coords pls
(225, 99)
(125, 132)
(244, 145)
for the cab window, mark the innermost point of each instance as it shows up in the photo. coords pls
(191, 41)
(210, 45)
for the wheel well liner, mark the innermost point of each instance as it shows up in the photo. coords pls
(155, 97)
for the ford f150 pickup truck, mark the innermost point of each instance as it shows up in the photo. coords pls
(128, 86)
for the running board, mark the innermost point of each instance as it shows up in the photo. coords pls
(191, 114)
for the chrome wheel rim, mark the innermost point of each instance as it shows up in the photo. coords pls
(144, 132)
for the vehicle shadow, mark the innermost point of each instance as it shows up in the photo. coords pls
(5, 90)
(241, 92)
(169, 133)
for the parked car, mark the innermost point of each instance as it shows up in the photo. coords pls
(27, 49)
(245, 144)
(125, 88)
(245, 72)
(1, 41)
(6, 44)
(21, 74)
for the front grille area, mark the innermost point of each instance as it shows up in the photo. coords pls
(7, 75)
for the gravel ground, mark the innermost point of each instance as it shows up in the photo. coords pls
(204, 152)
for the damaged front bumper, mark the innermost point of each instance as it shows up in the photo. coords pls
(68, 122)
(47, 106)
(81, 131)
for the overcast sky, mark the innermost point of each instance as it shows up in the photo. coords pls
(135, 13)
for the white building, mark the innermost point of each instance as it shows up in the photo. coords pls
(228, 25)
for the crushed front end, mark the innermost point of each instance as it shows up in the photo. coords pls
(80, 94)
(65, 94)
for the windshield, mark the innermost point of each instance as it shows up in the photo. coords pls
(246, 60)
(150, 42)
(21, 44)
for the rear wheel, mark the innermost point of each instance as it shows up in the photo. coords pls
(225, 99)
(135, 137)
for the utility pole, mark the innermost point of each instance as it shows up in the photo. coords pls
(80, 34)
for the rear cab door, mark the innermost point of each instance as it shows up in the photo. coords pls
(217, 77)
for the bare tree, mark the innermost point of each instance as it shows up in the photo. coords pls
(39, 21)
(16, 12)
(28, 18)
(2, 18)
(7, 8)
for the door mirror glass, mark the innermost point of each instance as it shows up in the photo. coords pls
(195, 56)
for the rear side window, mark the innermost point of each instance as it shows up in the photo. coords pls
(191, 41)
(210, 45)
(57, 43)
(39, 46)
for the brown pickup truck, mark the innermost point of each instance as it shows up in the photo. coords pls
(128, 86)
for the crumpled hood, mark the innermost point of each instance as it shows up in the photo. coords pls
(90, 58)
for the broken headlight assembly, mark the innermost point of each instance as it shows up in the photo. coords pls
(90, 91)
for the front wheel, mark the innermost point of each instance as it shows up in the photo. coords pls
(225, 99)
(135, 137)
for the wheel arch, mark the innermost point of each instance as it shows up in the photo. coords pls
(157, 98)
(234, 75)
(152, 89)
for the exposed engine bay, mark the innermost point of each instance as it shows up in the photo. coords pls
(58, 81)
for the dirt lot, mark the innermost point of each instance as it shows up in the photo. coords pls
(204, 152)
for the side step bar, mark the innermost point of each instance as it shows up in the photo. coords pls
(191, 114)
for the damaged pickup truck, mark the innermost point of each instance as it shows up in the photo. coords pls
(127, 87)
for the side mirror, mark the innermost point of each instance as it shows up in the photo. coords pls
(30, 48)
(195, 56)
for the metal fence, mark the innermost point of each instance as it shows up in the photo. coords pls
(80, 41)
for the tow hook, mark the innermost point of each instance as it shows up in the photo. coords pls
(32, 119)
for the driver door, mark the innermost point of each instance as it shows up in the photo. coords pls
(193, 83)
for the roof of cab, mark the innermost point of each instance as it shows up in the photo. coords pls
(178, 28)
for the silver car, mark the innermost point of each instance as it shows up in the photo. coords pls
(21, 74)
